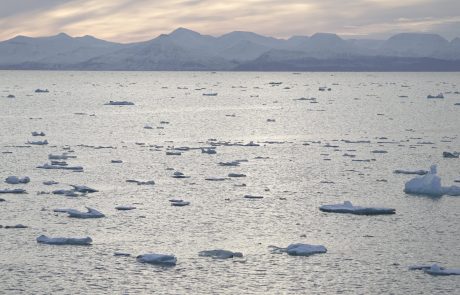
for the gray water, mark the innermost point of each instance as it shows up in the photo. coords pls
(299, 172)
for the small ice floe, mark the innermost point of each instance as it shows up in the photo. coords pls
(15, 226)
(436, 270)
(17, 180)
(91, 213)
(64, 241)
(57, 167)
(220, 254)
(36, 133)
(141, 182)
(253, 197)
(232, 163)
(430, 185)
(83, 189)
(125, 207)
(236, 175)
(10, 96)
(159, 259)
(208, 151)
(64, 156)
(215, 178)
(251, 143)
(179, 203)
(61, 210)
(450, 155)
(418, 172)
(300, 249)
(2, 200)
(13, 191)
(38, 142)
(121, 254)
(116, 161)
(173, 153)
(379, 152)
(67, 193)
(179, 174)
(148, 126)
(271, 120)
(210, 94)
(347, 207)
(119, 103)
(41, 90)
(440, 95)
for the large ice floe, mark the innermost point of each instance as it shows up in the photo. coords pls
(17, 180)
(160, 259)
(430, 185)
(299, 249)
(91, 213)
(436, 270)
(64, 241)
(220, 254)
(347, 207)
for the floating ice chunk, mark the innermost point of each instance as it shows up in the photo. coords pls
(436, 270)
(220, 254)
(67, 193)
(299, 249)
(347, 207)
(210, 94)
(125, 208)
(440, 95)
(64, 241)
(116, 161)
(232, 163)
(121, 254)
(38, 142)
(209, 151)
(172, 153)
(15, 226)
(141, 182)
(10, 96)
(41, 90)
(419, 267)
(179, 203)
(148, 126)
(236, 175)
(450, 155)
(92, 213)
(83, 189)
(17, 180)
(61, 210)
(418, 172)
(36, 133)
(60, 157)
(179, 174)
(430, 185)
(73, 168)
(253, 197)
(160, 259)
(119, 103)
(13, 191)
(50, 182)
(215, 179)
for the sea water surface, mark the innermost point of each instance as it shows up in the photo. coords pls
(344, 145)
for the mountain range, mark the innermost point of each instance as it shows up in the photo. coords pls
(184, 49)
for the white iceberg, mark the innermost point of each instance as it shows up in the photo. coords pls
(430, 185)
(17, 180)
(300, 249)
(347, 207)
(160, 259)
(436, 270)
(91, 213)
(13, 191)
(64, 241)
(220, 254)
(119, 103)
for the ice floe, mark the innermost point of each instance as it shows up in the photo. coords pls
(141, 182)
(418, 172)
(125, 207)
(179, 203)
(91, 213)
(64, 241)
(300, 249)
(59, 167)
(38, 142)
(450, 154)
(119, 103)
(347, 207)
(430, 185)
(159, 259)
(36, 133)
(440, 95)
(436, 270)
(13, 191)
(17, 180)
(220, 254)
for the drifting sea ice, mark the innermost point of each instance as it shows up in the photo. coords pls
(436, 270)
(91, 213)
(347, 207)
(159, 259)
(430, 185)
(64, 241)
(17, 180)
(300, 249)
(220, 254)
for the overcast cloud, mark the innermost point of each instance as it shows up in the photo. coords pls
(139, 20)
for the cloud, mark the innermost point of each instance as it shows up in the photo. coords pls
(139, 20)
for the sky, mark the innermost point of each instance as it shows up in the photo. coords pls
(139, 20)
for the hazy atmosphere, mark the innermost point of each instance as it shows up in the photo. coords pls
(139, 20)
